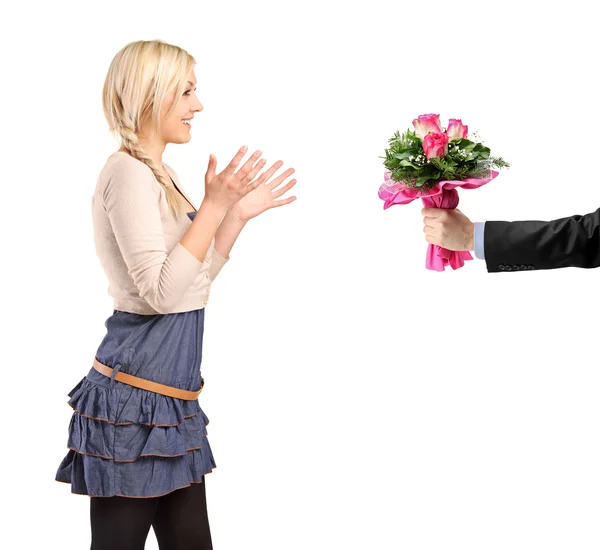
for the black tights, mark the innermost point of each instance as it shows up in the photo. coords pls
(179, 520)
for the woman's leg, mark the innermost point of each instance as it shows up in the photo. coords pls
(181, 520)
(121, 523)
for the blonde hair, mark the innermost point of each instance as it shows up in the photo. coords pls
(138, 79)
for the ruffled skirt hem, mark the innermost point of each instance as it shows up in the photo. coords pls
(145, 478)
(125, 441)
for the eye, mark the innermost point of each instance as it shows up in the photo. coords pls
(187, 92)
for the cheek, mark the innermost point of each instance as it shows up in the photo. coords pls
(173, 124)
(174, 119)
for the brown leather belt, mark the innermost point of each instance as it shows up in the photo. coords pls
(144, 384)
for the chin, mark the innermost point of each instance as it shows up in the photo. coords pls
(180, 139)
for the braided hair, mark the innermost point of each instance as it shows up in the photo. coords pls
(138, 79)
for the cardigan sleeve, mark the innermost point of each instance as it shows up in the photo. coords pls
(216, 264)
(131, 199)
(217, 261)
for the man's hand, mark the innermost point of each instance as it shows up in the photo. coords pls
(449, 229)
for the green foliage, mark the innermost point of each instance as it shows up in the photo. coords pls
(406, 161)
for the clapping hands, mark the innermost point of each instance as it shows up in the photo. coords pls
(246, 196)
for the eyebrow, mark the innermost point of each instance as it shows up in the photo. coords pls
(190, 83)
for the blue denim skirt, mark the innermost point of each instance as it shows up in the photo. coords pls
(132, 442)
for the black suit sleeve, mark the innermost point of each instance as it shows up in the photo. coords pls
(524, 245)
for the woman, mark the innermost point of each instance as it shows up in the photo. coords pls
(137, 437)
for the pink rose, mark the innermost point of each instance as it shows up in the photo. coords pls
(435, 145)
(456, 129)
(427, 123)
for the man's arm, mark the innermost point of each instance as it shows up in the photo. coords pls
(573, 241)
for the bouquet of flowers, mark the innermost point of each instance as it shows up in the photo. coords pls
(429, 163)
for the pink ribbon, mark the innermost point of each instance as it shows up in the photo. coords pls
(442, 195)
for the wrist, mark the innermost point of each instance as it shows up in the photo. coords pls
(213, 208)
(234, 214)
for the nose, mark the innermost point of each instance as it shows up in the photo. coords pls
(197, 107)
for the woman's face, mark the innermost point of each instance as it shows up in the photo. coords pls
(177, 127)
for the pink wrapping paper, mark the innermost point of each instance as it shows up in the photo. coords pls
(442, 195)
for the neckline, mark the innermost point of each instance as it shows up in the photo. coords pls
(184, 196)
(179, 188)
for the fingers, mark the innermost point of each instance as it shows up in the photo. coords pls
(230, 169)
(269, 172)
(431, 236)
(283, 201)
(278, 192)
(430, 222)
(258, 181)
(212, 167)
(265, 175)
(276, 166)
(244, 171)
(257, 167)
(252, 185)
(433, 212)
(277, 181)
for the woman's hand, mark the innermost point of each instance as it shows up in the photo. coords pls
(228, 187)
(263, 197)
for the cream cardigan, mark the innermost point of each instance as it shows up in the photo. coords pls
(137, 241)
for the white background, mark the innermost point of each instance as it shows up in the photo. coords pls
(356, 399)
